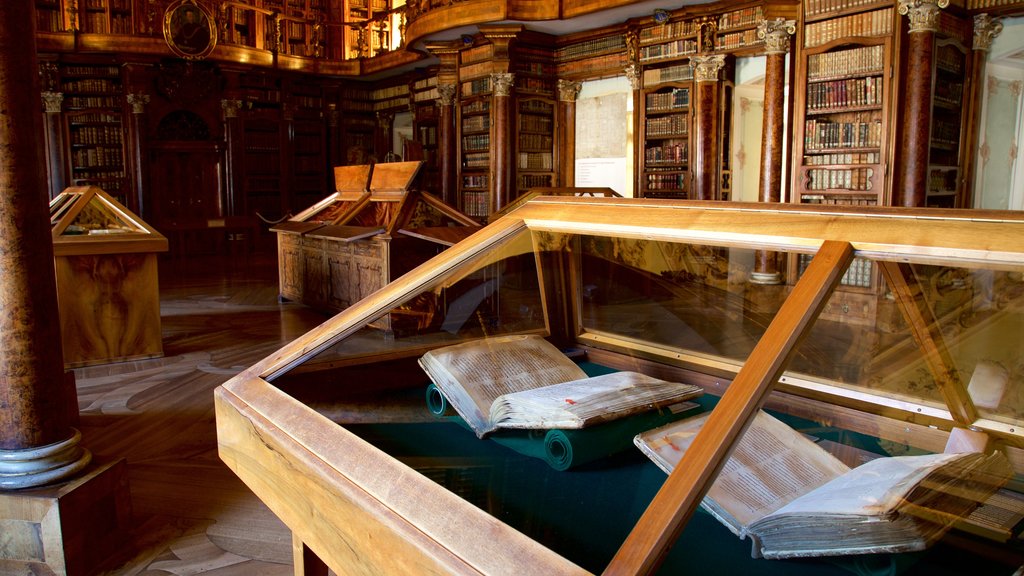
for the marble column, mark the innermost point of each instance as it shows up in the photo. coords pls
(705, 134)
(912, 176)
(234, 150)
(447, 138)
(502, 135)
(776, 35)
(634, 76)
(38, 403)
(55, 158)
(136, 163)
(565, 141)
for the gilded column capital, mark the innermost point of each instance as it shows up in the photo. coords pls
(923, 14)
(633, 74)
(986, 28)
(503, 82)
(230, 107)
(138, 102)
(706, 68)
(446, 94)
(52, 102)
(776, 34)
(568, 90)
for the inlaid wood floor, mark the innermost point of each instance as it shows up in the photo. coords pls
(192, 514)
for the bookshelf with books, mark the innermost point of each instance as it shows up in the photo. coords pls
(590, 56)
(50, 16)
(424, 144)
(105, 16)
(357, 123)
(475, 153)
(94, 120)
(843, 127)
(307, 131)
(843, 115)
(368, 29)
(535, 143)
(665, 132)
(948, 123)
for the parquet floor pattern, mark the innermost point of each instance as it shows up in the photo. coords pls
(192, 515)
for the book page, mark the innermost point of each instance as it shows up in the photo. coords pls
(770, 465)
(473, 374)
(871, 489)
(578, 403)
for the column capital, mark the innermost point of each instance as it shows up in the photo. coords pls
(776, 34)
(923, 14)
(706, 68)
(52, 102)
(446, 94)
(138, 102)
(503, 82)
(568, 90)
(986, 28)
(633, 74)
(231, 107)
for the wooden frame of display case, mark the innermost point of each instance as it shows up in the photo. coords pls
(354, 509)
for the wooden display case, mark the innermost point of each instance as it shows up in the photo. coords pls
(376, 227)
(326, 431)
(105, 259)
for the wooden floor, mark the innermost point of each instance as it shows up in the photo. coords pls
(192, 515)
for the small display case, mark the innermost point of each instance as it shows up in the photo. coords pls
(374, 228)
(105, 259)
(334, 434)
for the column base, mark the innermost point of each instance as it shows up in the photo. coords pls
(71, 528)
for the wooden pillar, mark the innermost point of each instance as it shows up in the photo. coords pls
(985, 31)
(705, 134)
(234, 200)
(502, 136)
(912, 176)
(136, 159)
(446, 142)
(568, 91)
(37, 442)
(776, 34)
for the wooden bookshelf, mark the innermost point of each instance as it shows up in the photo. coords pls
(474, 122)
(308, 168)
(94, 120)
(842, 114)
(105, 16)
(946, 145)
(665, 132)
(424, 145)
(535, 143)
(357, 123)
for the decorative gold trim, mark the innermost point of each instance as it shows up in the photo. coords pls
(775, 34)
(923, 14)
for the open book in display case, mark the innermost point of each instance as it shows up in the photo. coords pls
(333, 431)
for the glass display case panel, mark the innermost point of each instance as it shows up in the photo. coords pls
(87, 218)
(93, 213)
(671, 289)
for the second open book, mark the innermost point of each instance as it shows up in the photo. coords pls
(523, 381)
(793, 498)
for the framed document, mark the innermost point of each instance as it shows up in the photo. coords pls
(189, 30)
